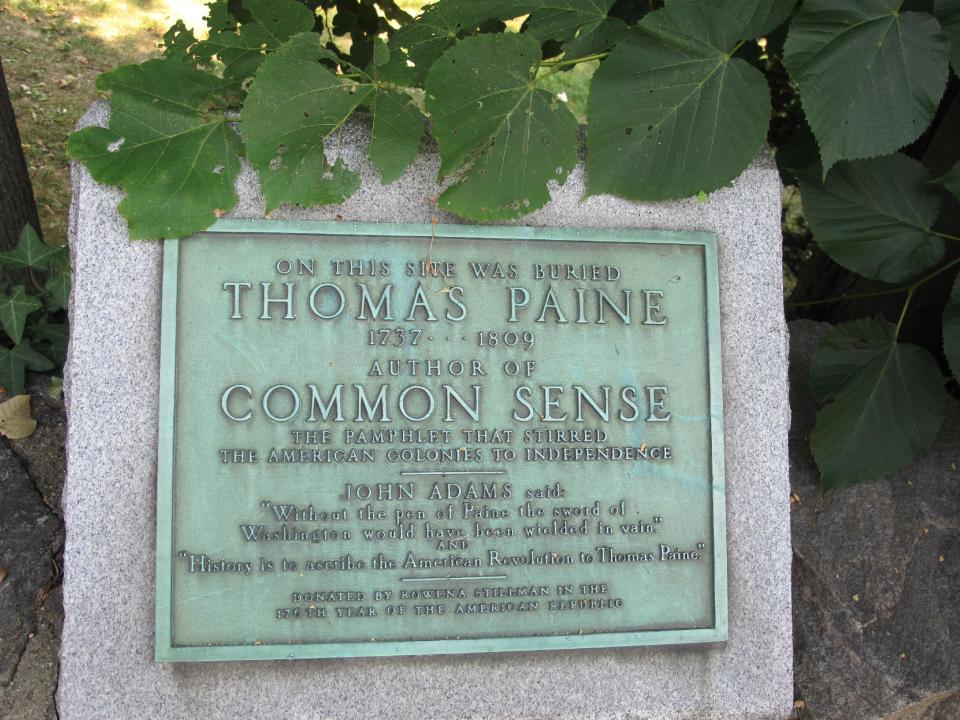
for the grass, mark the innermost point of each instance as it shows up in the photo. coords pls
(52, 54)
(53, 50)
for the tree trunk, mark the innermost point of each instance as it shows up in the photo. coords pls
(17, 206)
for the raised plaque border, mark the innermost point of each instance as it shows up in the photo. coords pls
(166, 652)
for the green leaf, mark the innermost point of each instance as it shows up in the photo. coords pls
(178, 42)
(14, 309)
(757, 17)
(506, 136)
(670, 113)
(951, 181)
(428, 36)
(397, 121)
(14, 363)
(55, 390)
(603, 37)
(395, 135)
(441, 24)
(948, 13)
(58, 281)
(242, 48)
(51, 336)
(30, 252)
(870, 76)
(561, 19)
(951, 330)
(295, 101)
(175, 159)
(874, 216)
(886, 402)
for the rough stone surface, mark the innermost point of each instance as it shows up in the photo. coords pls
(940, 706)
(107, 669)
(29, 538)
(876, 575)
(30, 696)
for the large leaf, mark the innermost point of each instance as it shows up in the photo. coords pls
(58, 281)
(178, 43)
(174, 157)
(951, 330)
(14, 363)
(948, 13)
(870, 76)
(439, 26)
(506, 136)
(757, 17)
(14, 309)
(670, 113)
(596, 39)
(951, 180)
(563, 19)
(874, 216)
(885, 406)
(30, 252)
(397, 122)
(52, 338)
(241, 48)
(428, 36)
(296, 101)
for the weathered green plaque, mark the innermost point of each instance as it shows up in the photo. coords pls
(403, 439)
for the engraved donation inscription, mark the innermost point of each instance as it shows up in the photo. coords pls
(394, 439)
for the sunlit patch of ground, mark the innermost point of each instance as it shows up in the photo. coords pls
(53, 50)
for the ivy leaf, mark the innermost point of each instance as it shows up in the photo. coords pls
(30, 252)
(176, 163)
(951, 181)
(951, 330)
(885, 407)
(670, 112)
(14, 363)
(15, 420)
(870, 76)
(507, 136)
(294, 102)
(241, 48)
(58, 281)
(51, 336)
(948, 13)
(874, 216)
(14, 309)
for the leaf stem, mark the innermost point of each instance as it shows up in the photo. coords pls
(903, 311)
(573, 61)
(945, 236)
(909, 288)
(36, 283)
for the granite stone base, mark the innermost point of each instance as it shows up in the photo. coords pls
(109, 501)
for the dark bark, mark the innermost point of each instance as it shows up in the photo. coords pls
(17, 206)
